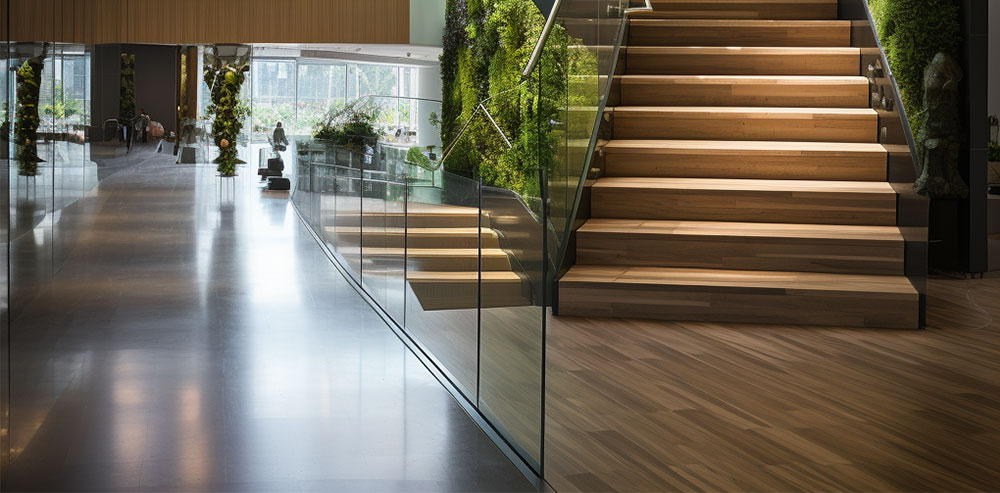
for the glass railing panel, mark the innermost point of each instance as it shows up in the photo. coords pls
(511, 319)
(442, 274)
(393, 123)
(348, 207)
(574, 75)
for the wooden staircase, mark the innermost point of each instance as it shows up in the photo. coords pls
(744, 181)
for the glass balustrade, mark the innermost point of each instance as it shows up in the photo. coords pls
(458, 258)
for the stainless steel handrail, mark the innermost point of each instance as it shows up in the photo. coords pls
(634, 10)
(537, 52)
(550, 22)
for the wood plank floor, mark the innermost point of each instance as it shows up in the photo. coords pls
(669, 406)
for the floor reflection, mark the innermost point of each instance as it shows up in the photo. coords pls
(195, 337)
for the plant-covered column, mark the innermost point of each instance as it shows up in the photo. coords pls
(29, 78)
(224, 77)
(126, 105)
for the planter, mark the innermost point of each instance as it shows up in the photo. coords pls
(943, 235)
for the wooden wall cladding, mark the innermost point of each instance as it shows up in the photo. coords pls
(198, 21)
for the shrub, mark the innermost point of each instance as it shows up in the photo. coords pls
(352, 127)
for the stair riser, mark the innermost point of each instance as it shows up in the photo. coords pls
(742, 126)
(749, 206)
(641, 62)
(693, 9)
(436, 295)
(644, 32)
(786, 94)
(741, 253)
(750, 305)
(753, 165)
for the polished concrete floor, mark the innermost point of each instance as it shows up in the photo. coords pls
(193, 336)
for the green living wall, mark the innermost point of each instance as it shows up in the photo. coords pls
(912, 32)
(487, 43)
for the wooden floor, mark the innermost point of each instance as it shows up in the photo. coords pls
(636, 405)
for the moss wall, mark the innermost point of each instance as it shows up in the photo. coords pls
(486, 45)
(912, 32)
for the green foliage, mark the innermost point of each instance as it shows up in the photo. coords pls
(354, 127)
(487, 43)
(415, 156)
(993, 154)
(29, 76)
(126, 104)
(62, 107)
(912, 32)
(224, 79)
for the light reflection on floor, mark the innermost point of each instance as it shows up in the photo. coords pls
(193, 336)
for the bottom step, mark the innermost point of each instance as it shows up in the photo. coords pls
(460, 290)
(739, 296)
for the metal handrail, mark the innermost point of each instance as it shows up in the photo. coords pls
(550, 22)
(537, 52)
(647, 8)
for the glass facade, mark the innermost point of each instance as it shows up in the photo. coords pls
(300, 92)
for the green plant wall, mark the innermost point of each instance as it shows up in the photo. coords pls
(224, 79)
(912, 32)
(29, 77)
(126, 101)
(486, 45)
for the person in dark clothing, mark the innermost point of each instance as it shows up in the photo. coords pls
(142, 124)
(280, 141)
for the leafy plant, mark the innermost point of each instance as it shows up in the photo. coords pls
(912, 32)
(126, 104)
(62, 107)
(993, 153)
(353, 127)
(26, 127)
(415, 156)
(224, 79)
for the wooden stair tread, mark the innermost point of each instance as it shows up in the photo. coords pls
(744, 111)
(435, 252)
(646, 227)
(748, 185)
(729, 23)
(738, 32)
(737, 146)
(422, 232)
(766, 9)
(889, 286)
(743, 50)
(743, 79)
(827, 91)
(462, 276)
(743, 60)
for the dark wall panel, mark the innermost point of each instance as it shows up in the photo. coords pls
(156, 82)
